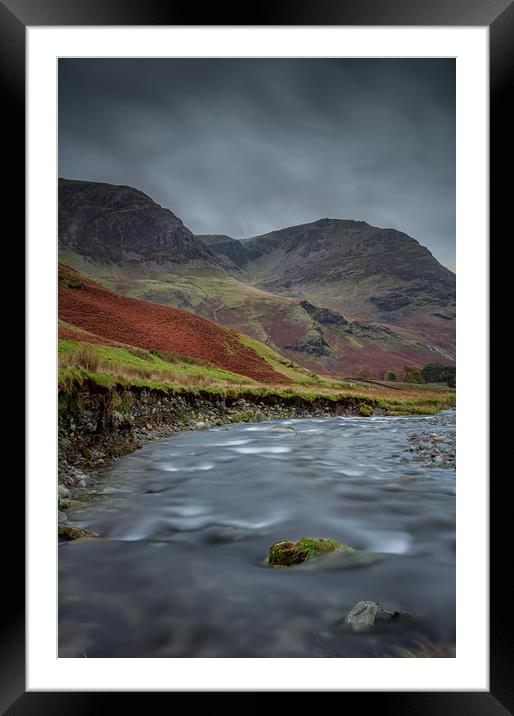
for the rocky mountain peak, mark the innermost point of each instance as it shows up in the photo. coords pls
(119, 224)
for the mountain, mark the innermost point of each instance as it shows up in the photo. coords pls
(117, 224)
(339, 298)
(349, 266)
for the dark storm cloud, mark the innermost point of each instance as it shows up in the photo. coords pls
(242, 147)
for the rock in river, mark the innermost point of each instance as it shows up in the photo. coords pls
(287, 553)
(366, 614)
(70, 533)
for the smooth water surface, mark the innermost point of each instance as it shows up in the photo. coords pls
(186, 524)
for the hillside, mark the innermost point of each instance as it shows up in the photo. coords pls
(92, 314)
(280, 289)
(113, 341)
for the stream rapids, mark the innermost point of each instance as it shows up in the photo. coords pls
(186, 523)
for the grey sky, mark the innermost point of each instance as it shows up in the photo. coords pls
(242, 147)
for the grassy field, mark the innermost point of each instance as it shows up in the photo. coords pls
(135, 364)
(113, 365)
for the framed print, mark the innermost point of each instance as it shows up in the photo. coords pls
(248, 240)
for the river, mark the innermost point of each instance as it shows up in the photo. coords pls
(186, 523)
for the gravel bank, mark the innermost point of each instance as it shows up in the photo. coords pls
(434, 448)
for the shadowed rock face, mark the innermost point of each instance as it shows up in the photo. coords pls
(324, 315)
(231, 248)
(119, 224)
(312, 343)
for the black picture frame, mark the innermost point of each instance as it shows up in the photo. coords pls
(498, 15)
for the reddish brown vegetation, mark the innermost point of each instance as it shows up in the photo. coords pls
(115, 318)
(66, 332)
(282, 332)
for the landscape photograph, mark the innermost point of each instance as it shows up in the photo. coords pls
(256, 358)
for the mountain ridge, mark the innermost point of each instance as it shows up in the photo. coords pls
(364, 271)
(303, 290)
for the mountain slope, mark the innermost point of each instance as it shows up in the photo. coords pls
(362, 271)
(369, 272)
(106, 316)
(120, 238)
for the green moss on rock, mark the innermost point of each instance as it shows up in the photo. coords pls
(365, 410)
(287, 553)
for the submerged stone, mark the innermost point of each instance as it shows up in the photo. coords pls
(287, 553)
(366, 614)
(71, 533)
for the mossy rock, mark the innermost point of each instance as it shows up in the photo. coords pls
(365, 410)
(287, 553)
(86, 453)
(71, 533)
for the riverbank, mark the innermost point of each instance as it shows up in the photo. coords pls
(98, 423)
(102, 419)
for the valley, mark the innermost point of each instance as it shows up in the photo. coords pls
(255, 372)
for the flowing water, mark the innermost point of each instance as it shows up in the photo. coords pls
(186, 523)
